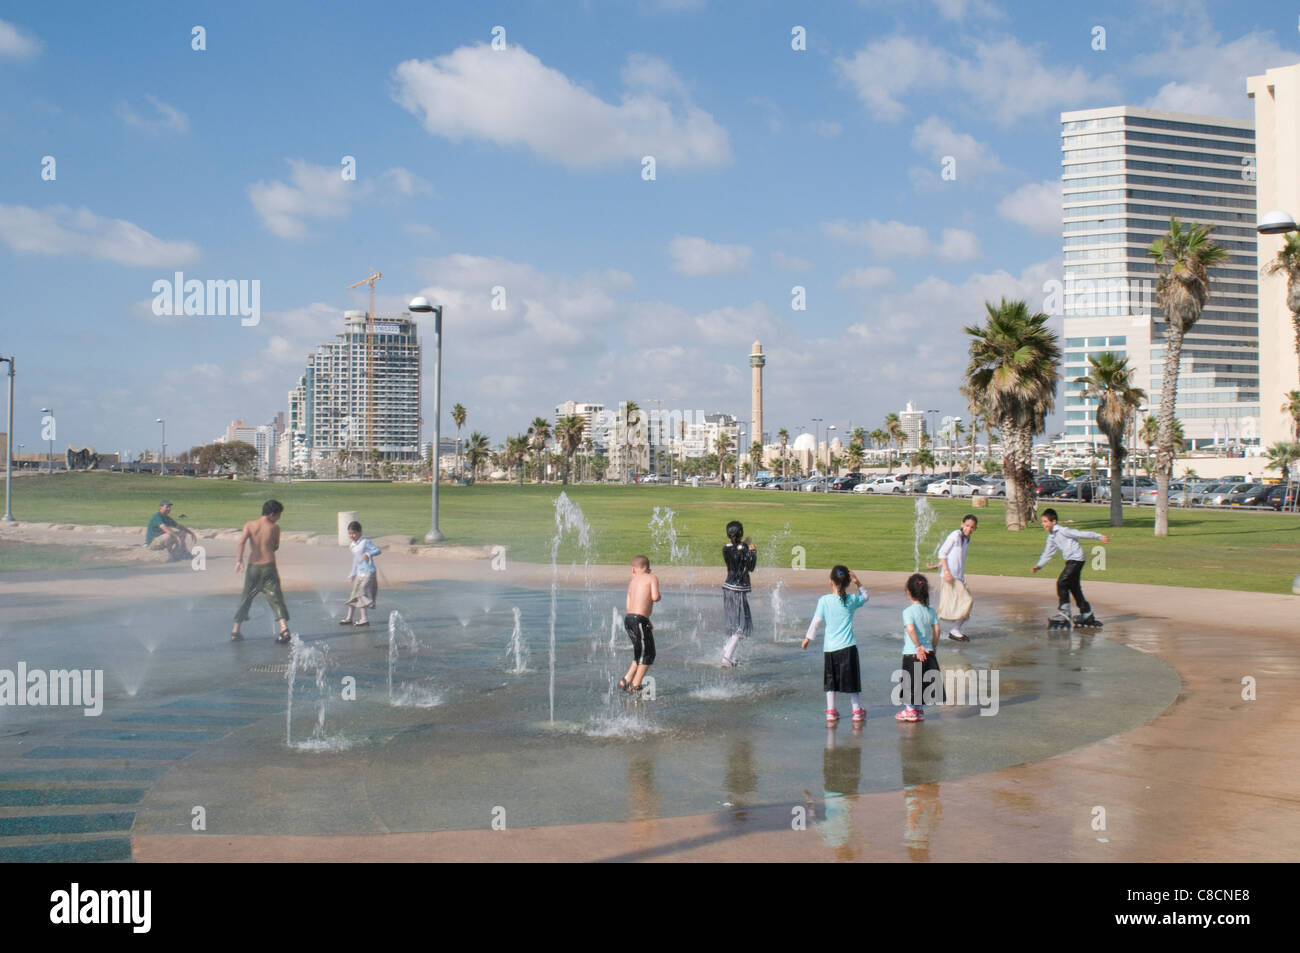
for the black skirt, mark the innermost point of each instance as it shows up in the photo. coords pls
(916, 689)
(841, 672)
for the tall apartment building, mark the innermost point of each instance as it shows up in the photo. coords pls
(1277, 124)
(593, 414)
(1125, 172)
(912, 422)
(329, 406)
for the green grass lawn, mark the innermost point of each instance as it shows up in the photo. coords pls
(1257, 552)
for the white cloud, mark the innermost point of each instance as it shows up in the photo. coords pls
(950, 9)
(1207, 76)
(169, 118)
(873, 276)
(773, 116)
(938, 140)
(320, 192)
(1036, 205)
(17, 44)
(699, 257)
(826, 129)
(60, 230)
(511, 98)
(1002, 79)
(897, 240)
(790, 263)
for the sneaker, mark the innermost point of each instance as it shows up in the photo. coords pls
(859, 715)
(832, 716)
(956, 636)
(917, 715)
(904, 714)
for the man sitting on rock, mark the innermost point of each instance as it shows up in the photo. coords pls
(164, 532)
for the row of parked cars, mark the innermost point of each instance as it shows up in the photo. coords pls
(1047, 486)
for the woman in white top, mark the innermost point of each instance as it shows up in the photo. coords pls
(952, 557)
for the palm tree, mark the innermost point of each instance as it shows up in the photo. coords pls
(1015, 362)
(784, 435)
(854, 457)
(476, 451)
(1288, 263)
(1181, 293)
(458, 418)
(957, 431)
(1282, 455)
(1110, 384)
(538, 434)
(922, 458)
(569, 431)
(859, 436)
(723, 444)
(516, 452)
(895, 431)
(878, 437)
(587, 447)
(756, 456)
(1291, 406)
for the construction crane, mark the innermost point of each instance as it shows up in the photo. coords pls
(370, 358)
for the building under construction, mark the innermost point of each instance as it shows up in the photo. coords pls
(360, 392)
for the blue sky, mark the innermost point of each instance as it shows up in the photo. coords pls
(522, 168)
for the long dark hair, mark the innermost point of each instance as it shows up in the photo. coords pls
(735, 531)
(840, 580)
(918, 587)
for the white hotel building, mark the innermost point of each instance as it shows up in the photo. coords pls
(1125, 172)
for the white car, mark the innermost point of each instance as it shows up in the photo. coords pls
(885, 484)
(954, 487)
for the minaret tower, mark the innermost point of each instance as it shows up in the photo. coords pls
(756, 362)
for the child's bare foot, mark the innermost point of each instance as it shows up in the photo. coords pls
(236, 636)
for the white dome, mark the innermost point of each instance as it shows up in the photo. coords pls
(805, 441)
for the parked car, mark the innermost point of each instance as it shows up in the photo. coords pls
(1217, 495)
(1048, 484)
(1248, 494)
(1147, 495)
(992, 486)
(1188, 493)
(846, 483)
(1081, 490)
(961, 486)
(1126, 493)
(917, 482)
(1283, 497)
(815, 484)
(884, 484)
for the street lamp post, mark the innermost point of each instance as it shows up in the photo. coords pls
(828, 448)
(9, 447)
(817, 458)
(162, 458)
(421, 305)
(50, 456)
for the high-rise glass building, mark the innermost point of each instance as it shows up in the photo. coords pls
(329, 409)
(1125, 172)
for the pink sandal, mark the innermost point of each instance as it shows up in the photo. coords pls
(832, 715)
(859, 715)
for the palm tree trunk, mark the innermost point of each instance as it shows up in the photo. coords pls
(1116, 482)
(1011, 472)
(1165, 440)
(1025, 459)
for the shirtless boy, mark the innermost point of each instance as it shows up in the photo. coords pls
(263, 539)
(642, 594)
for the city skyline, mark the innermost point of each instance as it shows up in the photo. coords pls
(901, 168)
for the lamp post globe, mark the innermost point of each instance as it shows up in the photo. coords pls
(1276, 222)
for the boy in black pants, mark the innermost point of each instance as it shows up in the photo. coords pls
(1068, 583)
